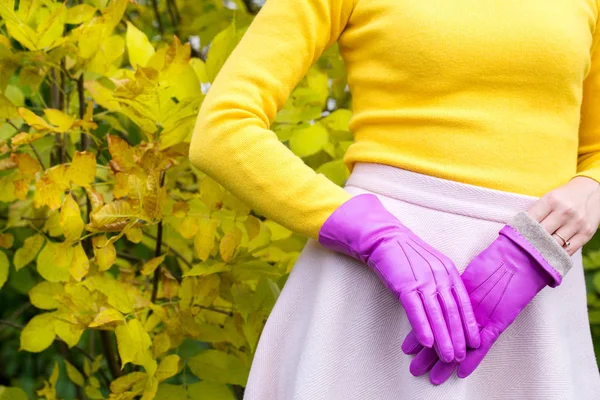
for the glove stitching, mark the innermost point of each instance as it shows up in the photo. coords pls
(512, 274)
(428, 263)
(407, 260)
(493, 286)
(486, 279)
(435, 256)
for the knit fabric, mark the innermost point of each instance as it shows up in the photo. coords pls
(500, 94)
(556, 256)
(335, 332)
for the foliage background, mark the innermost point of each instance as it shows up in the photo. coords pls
(124, 271)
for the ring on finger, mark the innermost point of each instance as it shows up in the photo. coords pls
(565, 241)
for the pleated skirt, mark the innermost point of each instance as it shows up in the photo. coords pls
(335, 331)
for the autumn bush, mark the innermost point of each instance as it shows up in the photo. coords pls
(124, 271)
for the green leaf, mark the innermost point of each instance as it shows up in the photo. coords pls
(12, 393)
(4, 265)
(204, 269)
(208, 390)
(309, 140)
(220, 49)
(338, 120)
(596, 281)
(73, 374)
(335, 170)
(216, 366)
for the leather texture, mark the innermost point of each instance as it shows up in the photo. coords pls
(501, 281)
(425, 281)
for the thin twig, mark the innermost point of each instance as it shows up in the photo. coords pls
(161, 29)
(171, 250)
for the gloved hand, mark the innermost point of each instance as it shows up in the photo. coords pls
(424, 280)
(501, 281)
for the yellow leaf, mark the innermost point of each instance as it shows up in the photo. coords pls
(151, 265)
(230, 243)
(206, 269)
(83, 168)
(205, 238)
(25, 138)
(105, 252)
(121, 188)
(54, 375)
(105, 316)
(38, 334)
(126, 382)
(4, 266)
(43, 295)
(112, 216)
(33, 120)
(74, 375)
(135, 234)
(189, 227)
(211, 193)
(50, 28)
(59, 119)
(278, 232)
(21, 188)
(139, 47)
(54, 261)
(309, 140)
(70, 219)
(27, 164)
(150, 389)
(6, 240)
(161, 343)
(133, 342)
(30, 249)
(80, 13)
(252, 226)
(80, 264)
(115, 291)
(93, 393)
(50, 188)
(69, 332)
(168, 367)
(121, 153)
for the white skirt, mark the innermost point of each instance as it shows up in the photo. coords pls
(335, 331)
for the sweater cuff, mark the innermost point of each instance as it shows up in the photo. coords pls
(558, 261)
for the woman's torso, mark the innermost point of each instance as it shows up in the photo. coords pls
(486, 92)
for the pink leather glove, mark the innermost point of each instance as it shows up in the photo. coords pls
(424, 280)
(501, 281)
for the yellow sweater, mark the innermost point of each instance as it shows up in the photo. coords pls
(503, 94)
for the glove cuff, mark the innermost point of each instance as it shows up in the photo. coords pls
(534, 239)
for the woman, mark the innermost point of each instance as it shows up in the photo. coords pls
(477, 149)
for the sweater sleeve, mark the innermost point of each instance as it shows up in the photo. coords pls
(588, 156)
(232, 141)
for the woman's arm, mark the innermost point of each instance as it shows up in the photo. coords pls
(232, 141)
(573, 209)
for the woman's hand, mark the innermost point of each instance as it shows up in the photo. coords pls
(571, 211)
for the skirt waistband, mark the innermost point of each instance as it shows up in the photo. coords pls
(438, 193)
